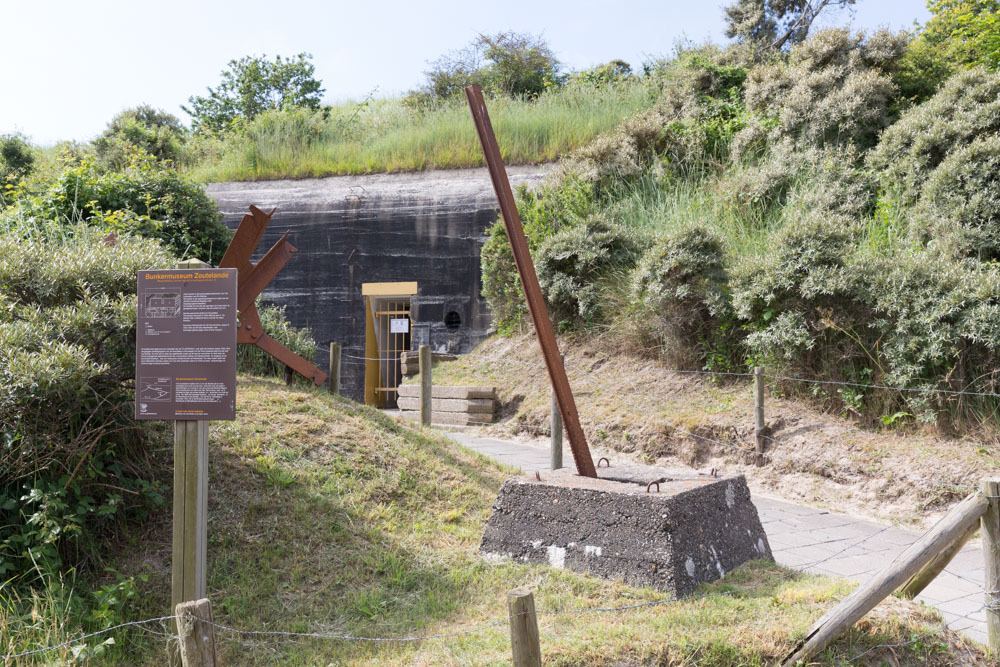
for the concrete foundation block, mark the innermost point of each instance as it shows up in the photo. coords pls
(451, 418)
(483, 405)
(445, 391)
(694, 529)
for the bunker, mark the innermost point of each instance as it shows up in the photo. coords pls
(385, 263)
(667, 529)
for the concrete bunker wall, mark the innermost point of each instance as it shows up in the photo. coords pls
(427, 227)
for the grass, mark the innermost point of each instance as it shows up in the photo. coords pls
(327, 517)
(386, 136)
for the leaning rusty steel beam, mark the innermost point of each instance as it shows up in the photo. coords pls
(526, 269)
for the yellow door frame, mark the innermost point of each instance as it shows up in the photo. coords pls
(372, 351)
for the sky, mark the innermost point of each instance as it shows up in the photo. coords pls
(70, 66)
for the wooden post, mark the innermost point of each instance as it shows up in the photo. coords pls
(189, 555)
(335, 368)
(852, 608)
(523, 628)
(425, 384)
(196, 634)
(190, 529)
(556, 428)
(929, 572)
(990, 488)
(758, 413)
(288, 376)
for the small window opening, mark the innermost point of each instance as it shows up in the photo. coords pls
(452, 320)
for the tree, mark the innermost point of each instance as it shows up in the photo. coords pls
(142, 129)
(967, 31)
(773, 24)
(252, 85)
(507, 63)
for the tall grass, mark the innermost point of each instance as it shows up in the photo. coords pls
(387, 136)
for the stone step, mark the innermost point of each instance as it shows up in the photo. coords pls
(477, 405)
(446, 391)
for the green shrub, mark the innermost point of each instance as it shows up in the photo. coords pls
(142, 130)
(967, 107)
(681, 290)
(553, 206)
(16, 159)
(72, 458)
(145, 198)
(254, 361)
(959, 206)
(833, 89)
(575, 264)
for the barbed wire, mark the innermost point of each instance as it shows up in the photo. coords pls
(85, 637)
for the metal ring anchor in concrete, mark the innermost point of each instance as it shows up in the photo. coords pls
(605, 459)
(651, 484)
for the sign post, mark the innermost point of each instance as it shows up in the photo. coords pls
(186, 372)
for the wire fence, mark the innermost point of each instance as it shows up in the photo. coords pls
(588, 378)
(852, 548)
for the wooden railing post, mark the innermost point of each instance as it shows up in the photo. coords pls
(425, 385)
(196, 633)
(990, 525)
(335, 368)
(524, 644)
(758, 413)
(556, 428)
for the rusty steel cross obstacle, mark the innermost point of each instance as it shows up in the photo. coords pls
(251, 281)
(532, 290)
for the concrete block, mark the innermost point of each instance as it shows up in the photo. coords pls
(451, 418)
(484, 405)
(693, 530)
(445, 391)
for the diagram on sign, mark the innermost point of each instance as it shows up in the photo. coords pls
(163, 304)
(154, 389)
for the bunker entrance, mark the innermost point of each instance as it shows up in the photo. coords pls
(387, 336)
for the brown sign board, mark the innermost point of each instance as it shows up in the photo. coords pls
(185, 344)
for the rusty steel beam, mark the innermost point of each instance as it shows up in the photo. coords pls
(526, 270)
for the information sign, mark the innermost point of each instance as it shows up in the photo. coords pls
(185, 351)
(399, 325)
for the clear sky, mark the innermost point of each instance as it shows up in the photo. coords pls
(69, 66)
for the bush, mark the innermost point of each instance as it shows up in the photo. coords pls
(965, 109)
(144, 198)
(681, 288)
(834, 89)
(575, 264)
(959, 206)
(142, 130)
(73, 460)
(254, 361)
(553, 206)
(16, 159)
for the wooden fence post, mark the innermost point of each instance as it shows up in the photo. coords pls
(556, 431)
(196, 634)
(991, 553)
(758, 413)
(852, 608)
(523, 628)
(335, 368)
(425, 385)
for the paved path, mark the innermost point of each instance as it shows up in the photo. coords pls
(818, 541)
